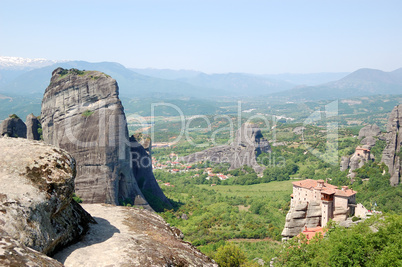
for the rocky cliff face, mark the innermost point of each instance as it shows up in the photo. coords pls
(36, 206)
(248, 144)
(81, 113)
(357, 160)
(32, 123)
(142, 170)
(38, 216)
(13, 127)
(368, 133)
(304, 214)
(392, 153)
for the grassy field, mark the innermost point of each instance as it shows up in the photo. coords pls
(250, 216)
(256, 190)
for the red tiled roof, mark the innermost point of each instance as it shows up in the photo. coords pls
(328, 191)
(311, 232)
(327, 188)
(346, 193)
(309, 183)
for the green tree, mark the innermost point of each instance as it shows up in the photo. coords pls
(230, 256)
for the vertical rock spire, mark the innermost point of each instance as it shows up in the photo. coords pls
(82, 113)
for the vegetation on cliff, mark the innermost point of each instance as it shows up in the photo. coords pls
(374, 242)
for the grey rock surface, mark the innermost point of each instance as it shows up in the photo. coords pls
(368, 141)
(136, 237)
(13, 253)
(304, 214)
(142, 169)
(391, 154)
(355, 161)
(369, 131)
(82, 113)
(13, 127)
(247, 145)
(36, 206)
(345, 161)
(33, 124)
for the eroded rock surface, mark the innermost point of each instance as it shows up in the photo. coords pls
(13, 253)
(392, 153)
(368, 135)
(142, 169)
(361, 156)
(130, 237)
(36, 206)
(248, 144)
(13, 127)
(82, 113)
(33, 124)
(369, 131)
(304, 214)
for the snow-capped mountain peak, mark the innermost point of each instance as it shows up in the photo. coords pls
(24, 63)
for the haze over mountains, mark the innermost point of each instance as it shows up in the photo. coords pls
(362, 82)
(20, 76)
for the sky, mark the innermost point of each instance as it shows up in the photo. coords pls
(213, 36)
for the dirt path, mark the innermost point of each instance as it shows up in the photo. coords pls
(130, 237)
(105, 242)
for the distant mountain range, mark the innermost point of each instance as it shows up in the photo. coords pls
(19, 76)
(135, 84)
(363, 82)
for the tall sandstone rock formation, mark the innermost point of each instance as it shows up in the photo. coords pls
(81, 113)
(368, 135)
(392, 153)
(33, 124)
(248, 144)
(13, 127)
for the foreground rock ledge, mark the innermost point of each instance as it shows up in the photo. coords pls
(36, 206)
(130, 237)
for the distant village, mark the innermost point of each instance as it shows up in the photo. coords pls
(174, 166)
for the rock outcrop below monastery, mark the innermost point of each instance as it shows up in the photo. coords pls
(13, 127)
(392, 153)
(369, 134)
(248, 144)
(369, 131)
(36, 205)
(301, 215)
(82, 113)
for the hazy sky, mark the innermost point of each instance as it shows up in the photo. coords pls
(265, 36)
